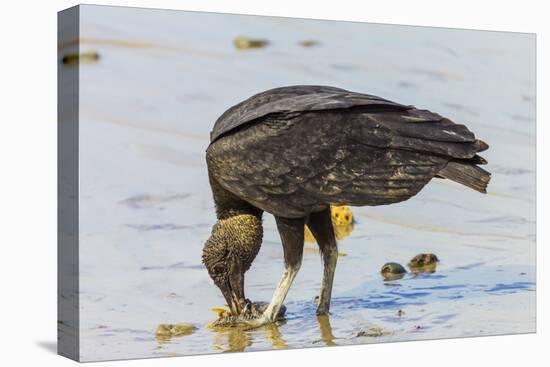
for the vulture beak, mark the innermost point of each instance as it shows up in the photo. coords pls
(233, 288)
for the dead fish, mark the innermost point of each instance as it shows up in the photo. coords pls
(243, 43)
(252, 311)
(84, 57)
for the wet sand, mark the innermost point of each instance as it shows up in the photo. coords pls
(146, 110)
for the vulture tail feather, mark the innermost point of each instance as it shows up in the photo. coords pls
(467, 174)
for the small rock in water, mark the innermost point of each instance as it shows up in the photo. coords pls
(423, 263)
(392, 271)
(243, 43)
(165, 332)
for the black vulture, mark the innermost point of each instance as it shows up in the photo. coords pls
(296, 150)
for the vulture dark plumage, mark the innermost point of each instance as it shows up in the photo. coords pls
(294, 151)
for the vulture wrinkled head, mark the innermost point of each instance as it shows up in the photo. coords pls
(229, 253)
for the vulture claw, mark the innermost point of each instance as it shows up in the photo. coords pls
(251, 317)
(258, 322)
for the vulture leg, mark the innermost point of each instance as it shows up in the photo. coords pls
(320, 224)
(292, 237)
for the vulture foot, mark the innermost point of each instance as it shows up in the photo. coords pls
(252, 316)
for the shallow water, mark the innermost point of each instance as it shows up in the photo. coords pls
(146, 110)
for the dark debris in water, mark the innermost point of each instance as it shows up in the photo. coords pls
(244, 43)
(389, 283)
(419, 328)
(309, 43)
(406, 85)
(71, 59)
(438, 75)
(470, 266)
(451, 297)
